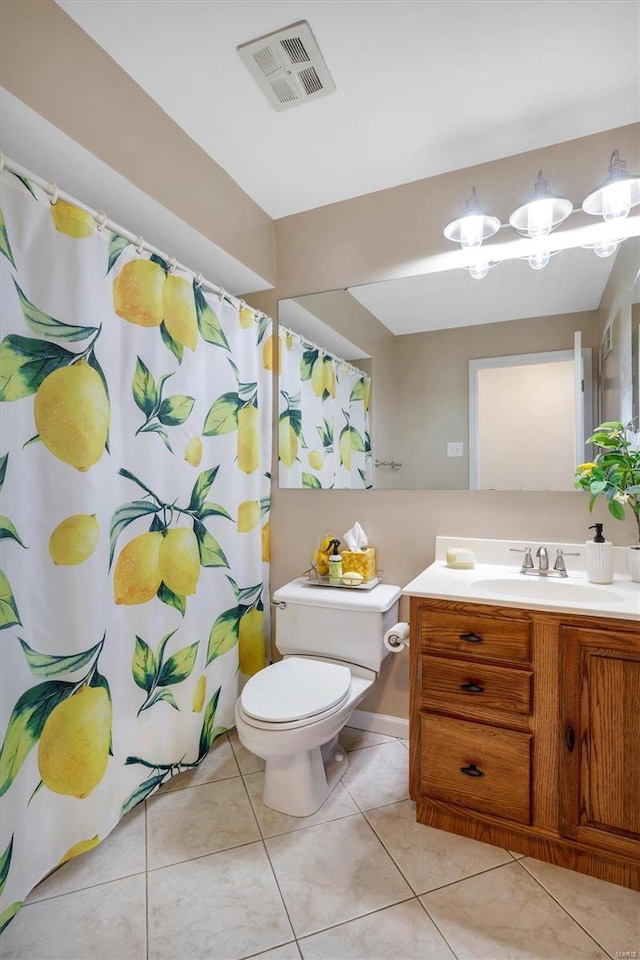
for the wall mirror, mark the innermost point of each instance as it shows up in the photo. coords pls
(492, 383)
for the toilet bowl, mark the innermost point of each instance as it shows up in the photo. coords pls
(291, 713)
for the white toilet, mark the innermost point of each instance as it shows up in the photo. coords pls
(291, 713)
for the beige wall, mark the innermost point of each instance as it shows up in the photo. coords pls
(615, 311)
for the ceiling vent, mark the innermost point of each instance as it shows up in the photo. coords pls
(288, 66)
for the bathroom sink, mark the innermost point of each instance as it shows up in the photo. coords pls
(541, 589)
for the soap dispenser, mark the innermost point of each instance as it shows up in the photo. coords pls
(335, 563)
(599, 557)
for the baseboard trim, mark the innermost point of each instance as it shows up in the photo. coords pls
(379, 723)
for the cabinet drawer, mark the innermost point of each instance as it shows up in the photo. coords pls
(490, 638)
(456, 683)
(484, 768)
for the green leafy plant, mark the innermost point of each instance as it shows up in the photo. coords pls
(615, 471)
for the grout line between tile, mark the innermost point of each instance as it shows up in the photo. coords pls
(562, 907)
(361, 916)
(433, 921)
(284, 903)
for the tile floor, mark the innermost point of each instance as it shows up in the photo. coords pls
(204, 871)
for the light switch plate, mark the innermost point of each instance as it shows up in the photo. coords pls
(455, 449)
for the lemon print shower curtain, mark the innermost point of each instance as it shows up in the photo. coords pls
(134, 464)
(323, 418)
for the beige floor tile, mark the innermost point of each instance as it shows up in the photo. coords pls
(288, 952)
(100, 923)
(405, 743)
(334, 872)
(272, 822)
(219, 764)
(611, 914)
(225, 906)
(121, 854)
(402, 932)
(204, 819)
(247, 761)
(378, 775)
(427, 857)
(353, 739)
(506, 915)
(517, 856)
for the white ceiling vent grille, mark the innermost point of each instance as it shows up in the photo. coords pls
(288, 66)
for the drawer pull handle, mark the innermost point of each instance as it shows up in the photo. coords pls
(472, 771)
(472, 687)
(471, 637)
(571, 739)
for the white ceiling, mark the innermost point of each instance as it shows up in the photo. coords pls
(423, 86)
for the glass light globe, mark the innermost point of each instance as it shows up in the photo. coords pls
(539, 260)
(540, 218)
(479, 270)
(616, 200)
(471, 231)
(605, 248)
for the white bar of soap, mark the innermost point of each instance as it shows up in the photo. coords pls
(460, 558)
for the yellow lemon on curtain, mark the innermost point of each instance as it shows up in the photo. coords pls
(193, 451)
(73, 221)
(345, 448)
(288, 339)
(266, 542)
(329, 376)
(199, 694)
(179, 311)
(137, 576)
(317, 377)
(246, 318)
(248, 439)
(71, 411)
(248, 515)
(137, 293)
(74, 745)
(180, 561)
(74, 539)
(81, 847)
(267, 353)
(251, 650)
(316, 459)
(287, 442)
(367, 392)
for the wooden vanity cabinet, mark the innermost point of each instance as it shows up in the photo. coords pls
(525, 732)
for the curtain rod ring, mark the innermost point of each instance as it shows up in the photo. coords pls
(221, 294)
(172, 264)
(54, 194)
(139, 245)
(101, 220)
(242, 305)
(198, 279)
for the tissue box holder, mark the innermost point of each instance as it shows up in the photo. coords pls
(363, 563)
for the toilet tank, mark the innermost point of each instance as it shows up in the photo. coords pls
(337, 623)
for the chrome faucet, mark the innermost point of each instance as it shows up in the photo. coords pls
(542, 570)
(543, 557)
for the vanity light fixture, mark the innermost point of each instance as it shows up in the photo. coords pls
(542, 214)
(618, 192)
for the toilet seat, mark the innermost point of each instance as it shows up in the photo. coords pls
(295, 690)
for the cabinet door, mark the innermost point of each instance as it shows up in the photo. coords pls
(600, 768)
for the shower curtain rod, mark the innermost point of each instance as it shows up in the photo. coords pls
(102, 221)
(316, 346)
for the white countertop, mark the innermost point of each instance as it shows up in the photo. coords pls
(496, 580)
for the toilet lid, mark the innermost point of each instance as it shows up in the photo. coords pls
(295, 689)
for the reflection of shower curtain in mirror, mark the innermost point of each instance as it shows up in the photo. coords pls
(134, 465)
(323, 434)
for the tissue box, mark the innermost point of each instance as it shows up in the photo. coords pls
(363, 563)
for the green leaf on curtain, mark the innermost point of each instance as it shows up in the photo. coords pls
(224, 633)
(357, 443)
(264, 324)
(9, 616)
(160, 430)
(162, 695)
(363, 476)
(161, 646)
(325, 432)
(5, 246)
(295, 420)
(25, 183)
(308, 480)
(309, 357)
(201, 488)
(208, 323)
(9, 532)
(367, 442)
(28, 443)
(161, 263)
(116, 245)
(5, 863)
(92, 360)
(26, 362)
(211, 553)
(175, 410)
(46, 326)
(142, 791)
(358, 391)
(248, 595)
(172, 599)
(179, 666)
(208, 732)
(209, 509)
(144, 389)
(25, 725)
(49, 666)
(175, 347)
(3, 469)
(143, 666)
(125, 515)
(248, 393)
(223, 416)
(265, 506)
(7, 915)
